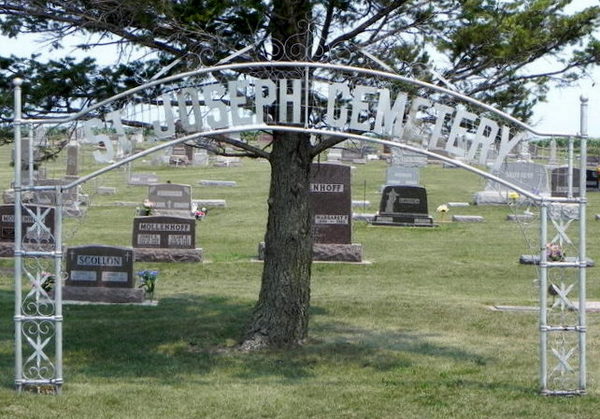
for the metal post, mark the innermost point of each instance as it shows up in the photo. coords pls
(58, 283)
(17, 244)
(543, 319)
(570, 170)
(582, 245)
(30, 156)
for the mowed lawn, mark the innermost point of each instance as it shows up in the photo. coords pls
(410, 334)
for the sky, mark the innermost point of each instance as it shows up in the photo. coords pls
(559, 114)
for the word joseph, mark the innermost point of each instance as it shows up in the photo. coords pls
(361, 108)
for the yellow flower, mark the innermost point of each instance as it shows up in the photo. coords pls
(513, 195)
(442, 208)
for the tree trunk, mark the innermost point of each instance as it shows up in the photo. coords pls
(281, 314)
(280, 317)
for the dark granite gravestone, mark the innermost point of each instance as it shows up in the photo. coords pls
(169, 197)
(32, 231)
(591, 182)
(165, 239)
(37, 224)
(331, 201)
(403, 205)
(101, 273)
(560, 182)
(164, 232)
(143, 179)
(100, 266)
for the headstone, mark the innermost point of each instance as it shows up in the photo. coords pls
(165, 239)
(70, 197)
(530, 176)
(100, 273)
(223, 161)
(73, 159)
(100, 266)
(143, 179)
(331, 201)
(526, 175)
(552, 161)
(406, 158)
(402, 176)
(334, 155)
(468, 218)
(225, 183)
(403, 205)
(200, 158)
(164, 232)
(37, 226)
(199, 203)
(591, 182)
(106, 190)
(560, 181)
(169, 197)
(181, 155)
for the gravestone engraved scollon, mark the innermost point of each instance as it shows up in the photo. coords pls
(164, 232)
(404, 205)
(170, 197)
(100, 266)
(560, 181)
(331, 202)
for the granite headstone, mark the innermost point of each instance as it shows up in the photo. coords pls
(404, 205)
(560, 181)
(169, 197)
(164, 232)
(331, 201)
(100, 266)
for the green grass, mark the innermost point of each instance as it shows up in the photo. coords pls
(410, 335)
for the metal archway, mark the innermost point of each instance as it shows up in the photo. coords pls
(38, 317)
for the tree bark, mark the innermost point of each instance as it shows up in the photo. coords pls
(280, 317)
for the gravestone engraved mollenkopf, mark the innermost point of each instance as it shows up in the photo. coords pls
(404, 205)
(164, 232)
(331, 202)
(171, 197)
(37, 226)
(100, 266)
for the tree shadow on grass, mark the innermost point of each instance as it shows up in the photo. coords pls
(195, 335)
